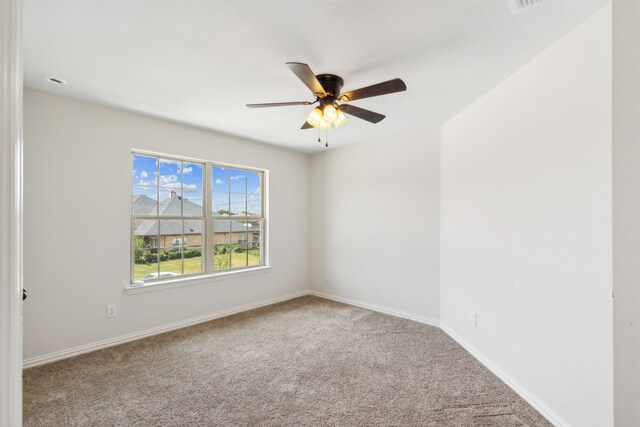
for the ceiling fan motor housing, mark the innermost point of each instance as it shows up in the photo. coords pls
(332, 84)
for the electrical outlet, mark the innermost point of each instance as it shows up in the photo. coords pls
(474, 319)
(112, 311)
(326, 277)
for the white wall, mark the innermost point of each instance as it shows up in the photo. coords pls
(374, 221)
(77, 223)
(626, 211)
(526, 226)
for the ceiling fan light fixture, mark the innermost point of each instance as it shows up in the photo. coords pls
(323, 125)
(330, 114)
(340, 120)
(315, 116)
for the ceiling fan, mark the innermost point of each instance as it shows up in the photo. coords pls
(326, 88)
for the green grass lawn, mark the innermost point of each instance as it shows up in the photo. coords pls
(194, 265)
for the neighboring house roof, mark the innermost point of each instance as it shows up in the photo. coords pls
(144, 205)
(171, 206)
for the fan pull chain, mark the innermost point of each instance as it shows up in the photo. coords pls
(326, 137)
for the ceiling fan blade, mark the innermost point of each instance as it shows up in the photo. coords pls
(361, 113)
(306, 125)
(305, 74)
(279, 104)
(384, 88)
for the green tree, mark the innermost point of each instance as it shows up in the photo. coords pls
(221, 257)
(224, 212)
(139, 248)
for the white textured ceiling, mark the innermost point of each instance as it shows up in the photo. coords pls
(200, 62)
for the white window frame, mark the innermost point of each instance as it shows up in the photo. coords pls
(208, 217)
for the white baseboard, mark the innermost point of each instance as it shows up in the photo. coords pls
(380, 309)
(537, 404)
(547, 412)
(86, 348)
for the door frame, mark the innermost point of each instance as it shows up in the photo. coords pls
(11, 213)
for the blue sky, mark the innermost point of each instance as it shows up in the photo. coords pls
(234, 189)
(235, 180)
(182, 177)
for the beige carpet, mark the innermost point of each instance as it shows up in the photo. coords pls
(305, 362)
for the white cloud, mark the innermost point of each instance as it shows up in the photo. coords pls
(172, 181)
(184, 169)
(236, 177)
(218, 181)
(170, 162)
(168, 180)
(144, 174)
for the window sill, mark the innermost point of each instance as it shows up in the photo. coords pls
(205, 278)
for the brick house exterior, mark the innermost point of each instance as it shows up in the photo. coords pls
(171, 233)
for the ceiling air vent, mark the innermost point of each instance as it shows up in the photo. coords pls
(520, 5)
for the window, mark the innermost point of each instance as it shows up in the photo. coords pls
(237, 213)
(194, 217)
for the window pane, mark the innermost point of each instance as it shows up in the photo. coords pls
(237, 181)
(253, 242)
(192, 189)
(145, 171)
(192, 203)
(193, 240)
(220, 204)
(170, 261)
(221, 257)
(238, 204)
(253, 182)
(241, 238)
(238, 256)
(254, 207)
(221, 235)
(192, 176)
(220, 179)
(170, 201)
(170, 174)
(253, 254)
(193, 232)
(171, 246)
(145, 201)
(193, 260)
(239, 244)
(145, 250)
(169, 231)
